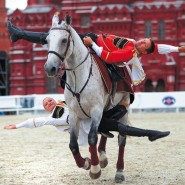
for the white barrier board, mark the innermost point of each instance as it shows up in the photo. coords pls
(159, 100)
(144, 100)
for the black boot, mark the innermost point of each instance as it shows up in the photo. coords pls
(108, 122)
(34, 37)
(116, 112)
(132, 131)
(107, 134)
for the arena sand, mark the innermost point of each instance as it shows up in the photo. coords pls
(42, 157)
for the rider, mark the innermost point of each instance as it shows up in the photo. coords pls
(59, 114)
(110, 48)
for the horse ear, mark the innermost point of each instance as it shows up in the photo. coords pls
(55, 20)
(68, 19)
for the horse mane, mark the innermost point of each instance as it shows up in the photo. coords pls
(77, 40)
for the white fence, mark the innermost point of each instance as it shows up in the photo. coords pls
(143, 101)
(160, 100)
(20, 103)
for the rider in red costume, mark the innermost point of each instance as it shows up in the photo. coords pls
(124, 52)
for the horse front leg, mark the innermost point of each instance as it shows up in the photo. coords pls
(73, 145)
(119, 177)
(95, 170)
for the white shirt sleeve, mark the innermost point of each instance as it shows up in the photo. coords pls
(164, 48)
(41, 121)
(26, 124)
(97, 49)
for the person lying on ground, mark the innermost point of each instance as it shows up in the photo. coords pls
(59, 114)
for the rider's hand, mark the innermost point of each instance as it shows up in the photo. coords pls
(182, 49)
(11, 126)
(87, 41)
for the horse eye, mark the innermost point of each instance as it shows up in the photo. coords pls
(64, 41)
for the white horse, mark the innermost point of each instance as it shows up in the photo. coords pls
(85, 93)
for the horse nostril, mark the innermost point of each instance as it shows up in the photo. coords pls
(50, 70)
(53, 70)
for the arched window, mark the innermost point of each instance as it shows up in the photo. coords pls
(41, 1)
(35, 20)
(115, 14)
(161, 30)
(85, 21)
(160, 86)
(148, 29)
(148, 86)
(106, 16)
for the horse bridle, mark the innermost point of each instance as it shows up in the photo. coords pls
(64, 56)
(68, 44)
(77, 95)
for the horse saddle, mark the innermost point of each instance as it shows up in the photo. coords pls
(114, 77)
(116, 73)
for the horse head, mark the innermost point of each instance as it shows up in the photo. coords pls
(60, 44)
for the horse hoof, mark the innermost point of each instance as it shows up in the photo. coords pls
(104, 163)
(119, 176)
(95, 175)
(87, 164)
(103, 159)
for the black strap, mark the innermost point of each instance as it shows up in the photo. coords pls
(77, 95)
(59, 56)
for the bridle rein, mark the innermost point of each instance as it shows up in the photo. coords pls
(62, 58)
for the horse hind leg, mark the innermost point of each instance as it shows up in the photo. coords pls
(119, 177)
(102, 152)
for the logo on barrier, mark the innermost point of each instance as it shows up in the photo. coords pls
(169, 100)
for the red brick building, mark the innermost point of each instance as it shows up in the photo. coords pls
(4, 50)
(164, 21)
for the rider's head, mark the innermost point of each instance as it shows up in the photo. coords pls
(49, 104)
(145, 46)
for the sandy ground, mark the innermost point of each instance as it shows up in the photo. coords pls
(41, 156)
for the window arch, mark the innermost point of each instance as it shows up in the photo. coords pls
(41, 1)
(148, 29)
(148, 86)
(161, 30)
(160, 86)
